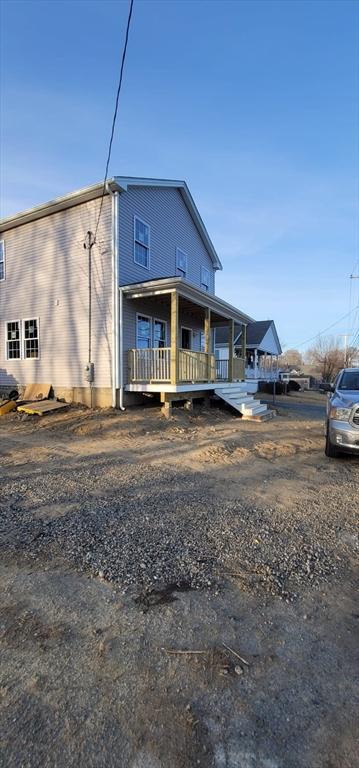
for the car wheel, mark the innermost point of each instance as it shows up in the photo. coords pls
(330, 449)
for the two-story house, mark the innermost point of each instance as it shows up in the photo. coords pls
(131, 313)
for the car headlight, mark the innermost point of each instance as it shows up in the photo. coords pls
(340, 414)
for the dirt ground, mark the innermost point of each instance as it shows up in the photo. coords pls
(255, 668)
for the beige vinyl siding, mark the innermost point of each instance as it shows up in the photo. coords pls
(47, 278)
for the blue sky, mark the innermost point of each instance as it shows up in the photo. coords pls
(254, 103)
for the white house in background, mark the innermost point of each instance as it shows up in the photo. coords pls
(262, 348)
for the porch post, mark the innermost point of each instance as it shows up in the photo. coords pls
(207, 341)
(256, 364)
(230, 350)
(244, 349)
(174, 337)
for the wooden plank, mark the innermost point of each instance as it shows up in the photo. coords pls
(244, 341)
(230, 350)
(174, 337)
(169, 397)
(207, 342)
(7, 406)
(41, 407)
(36, 392)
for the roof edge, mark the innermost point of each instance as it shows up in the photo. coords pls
(116, 183)
(58, 204)
(168, 284)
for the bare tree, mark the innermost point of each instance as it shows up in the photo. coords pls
(291, 357)
(351, 357)
(327, 358)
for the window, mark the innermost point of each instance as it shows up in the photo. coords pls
(13, 350)
(31, 338)
(159, 333)
(143, 332)
(181, 262)
(142, 243)
(349, 380)
(2, 260)
(204, 279)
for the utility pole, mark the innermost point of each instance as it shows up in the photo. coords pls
(347, 335)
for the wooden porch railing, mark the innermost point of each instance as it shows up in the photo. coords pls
(150, 365)
(193, 366)
(154, 365)
(238, 368)
(222, 369)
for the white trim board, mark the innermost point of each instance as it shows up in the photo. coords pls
(185, 387)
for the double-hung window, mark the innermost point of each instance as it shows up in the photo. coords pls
(2, 260)
(31, 338)
(13, 341)
(141, 243)
(204, 279)
(181, 262)
(150, 332)
(143, 332)
(159, 333)
(22, 339)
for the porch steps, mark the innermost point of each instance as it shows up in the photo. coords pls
(243, 403)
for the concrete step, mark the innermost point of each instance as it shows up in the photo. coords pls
(255, 409)
(260, 416)
(239, 398)
(242, 402)
(242, 405)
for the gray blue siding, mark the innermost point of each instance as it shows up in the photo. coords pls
(161, 311)
(172, 226)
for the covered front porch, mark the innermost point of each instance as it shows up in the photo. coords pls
(174, 349)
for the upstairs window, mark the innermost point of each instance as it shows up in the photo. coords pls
(13, 351)
(2, 260)
(31, 338)
(142, 243)
(204, 279)
(181, 263)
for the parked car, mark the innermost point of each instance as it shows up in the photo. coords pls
(342, 421)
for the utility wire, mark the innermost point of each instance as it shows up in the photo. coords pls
(115, 114)
(326, 329)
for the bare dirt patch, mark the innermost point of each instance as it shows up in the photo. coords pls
(136, 552)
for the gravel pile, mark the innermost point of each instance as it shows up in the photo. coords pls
(156, 529)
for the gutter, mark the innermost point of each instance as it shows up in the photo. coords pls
(117, 325)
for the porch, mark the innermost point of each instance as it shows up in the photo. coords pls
(155, 366)
(178, 353)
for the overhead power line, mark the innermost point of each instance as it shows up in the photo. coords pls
(326, 329)
(115, 114)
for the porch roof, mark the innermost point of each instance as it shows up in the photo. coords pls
(188, 291)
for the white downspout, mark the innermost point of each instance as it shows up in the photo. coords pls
(122, 407)
(117, 362)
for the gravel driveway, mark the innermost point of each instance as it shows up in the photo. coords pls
(177, 593)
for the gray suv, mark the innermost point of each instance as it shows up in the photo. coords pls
(342, 422)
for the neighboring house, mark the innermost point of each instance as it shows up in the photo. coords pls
(134, 313)
(262, 348)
